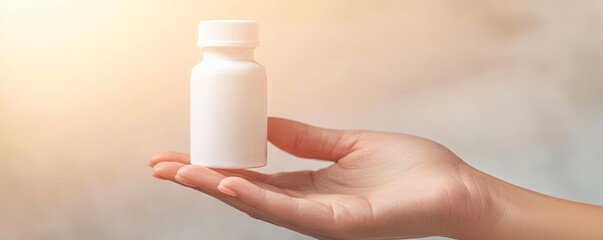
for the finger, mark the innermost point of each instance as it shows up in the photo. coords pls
(166, 170)
(301, 181)
(244, 173)
(184, 158)
(308, 141)
(169, 156)
(199, 177)
(277, 207)
(208, 181)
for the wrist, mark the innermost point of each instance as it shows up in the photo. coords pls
(506, 211)
(485, 207)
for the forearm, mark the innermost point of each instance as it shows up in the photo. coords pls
(524, 214)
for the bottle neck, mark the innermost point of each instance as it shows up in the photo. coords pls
(228, 53)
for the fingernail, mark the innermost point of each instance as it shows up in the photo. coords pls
(185, 181)
(155, 175)
(226, 190)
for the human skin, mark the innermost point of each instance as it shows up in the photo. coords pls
(383, 186)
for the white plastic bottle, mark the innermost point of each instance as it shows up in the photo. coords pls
(228, 122)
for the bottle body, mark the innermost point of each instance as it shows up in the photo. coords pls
(228, 121)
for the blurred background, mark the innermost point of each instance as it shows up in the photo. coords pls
(89, 90)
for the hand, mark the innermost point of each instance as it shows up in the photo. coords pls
(380, 185)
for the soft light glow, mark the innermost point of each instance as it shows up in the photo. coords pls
(90, 89)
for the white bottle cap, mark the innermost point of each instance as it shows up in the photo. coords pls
(228, 33)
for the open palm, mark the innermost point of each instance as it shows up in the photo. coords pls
(380, 185)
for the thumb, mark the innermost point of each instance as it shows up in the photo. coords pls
(307, 141)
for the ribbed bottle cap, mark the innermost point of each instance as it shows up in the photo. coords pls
(228, 33)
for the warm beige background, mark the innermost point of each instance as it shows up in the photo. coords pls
(89, 90)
